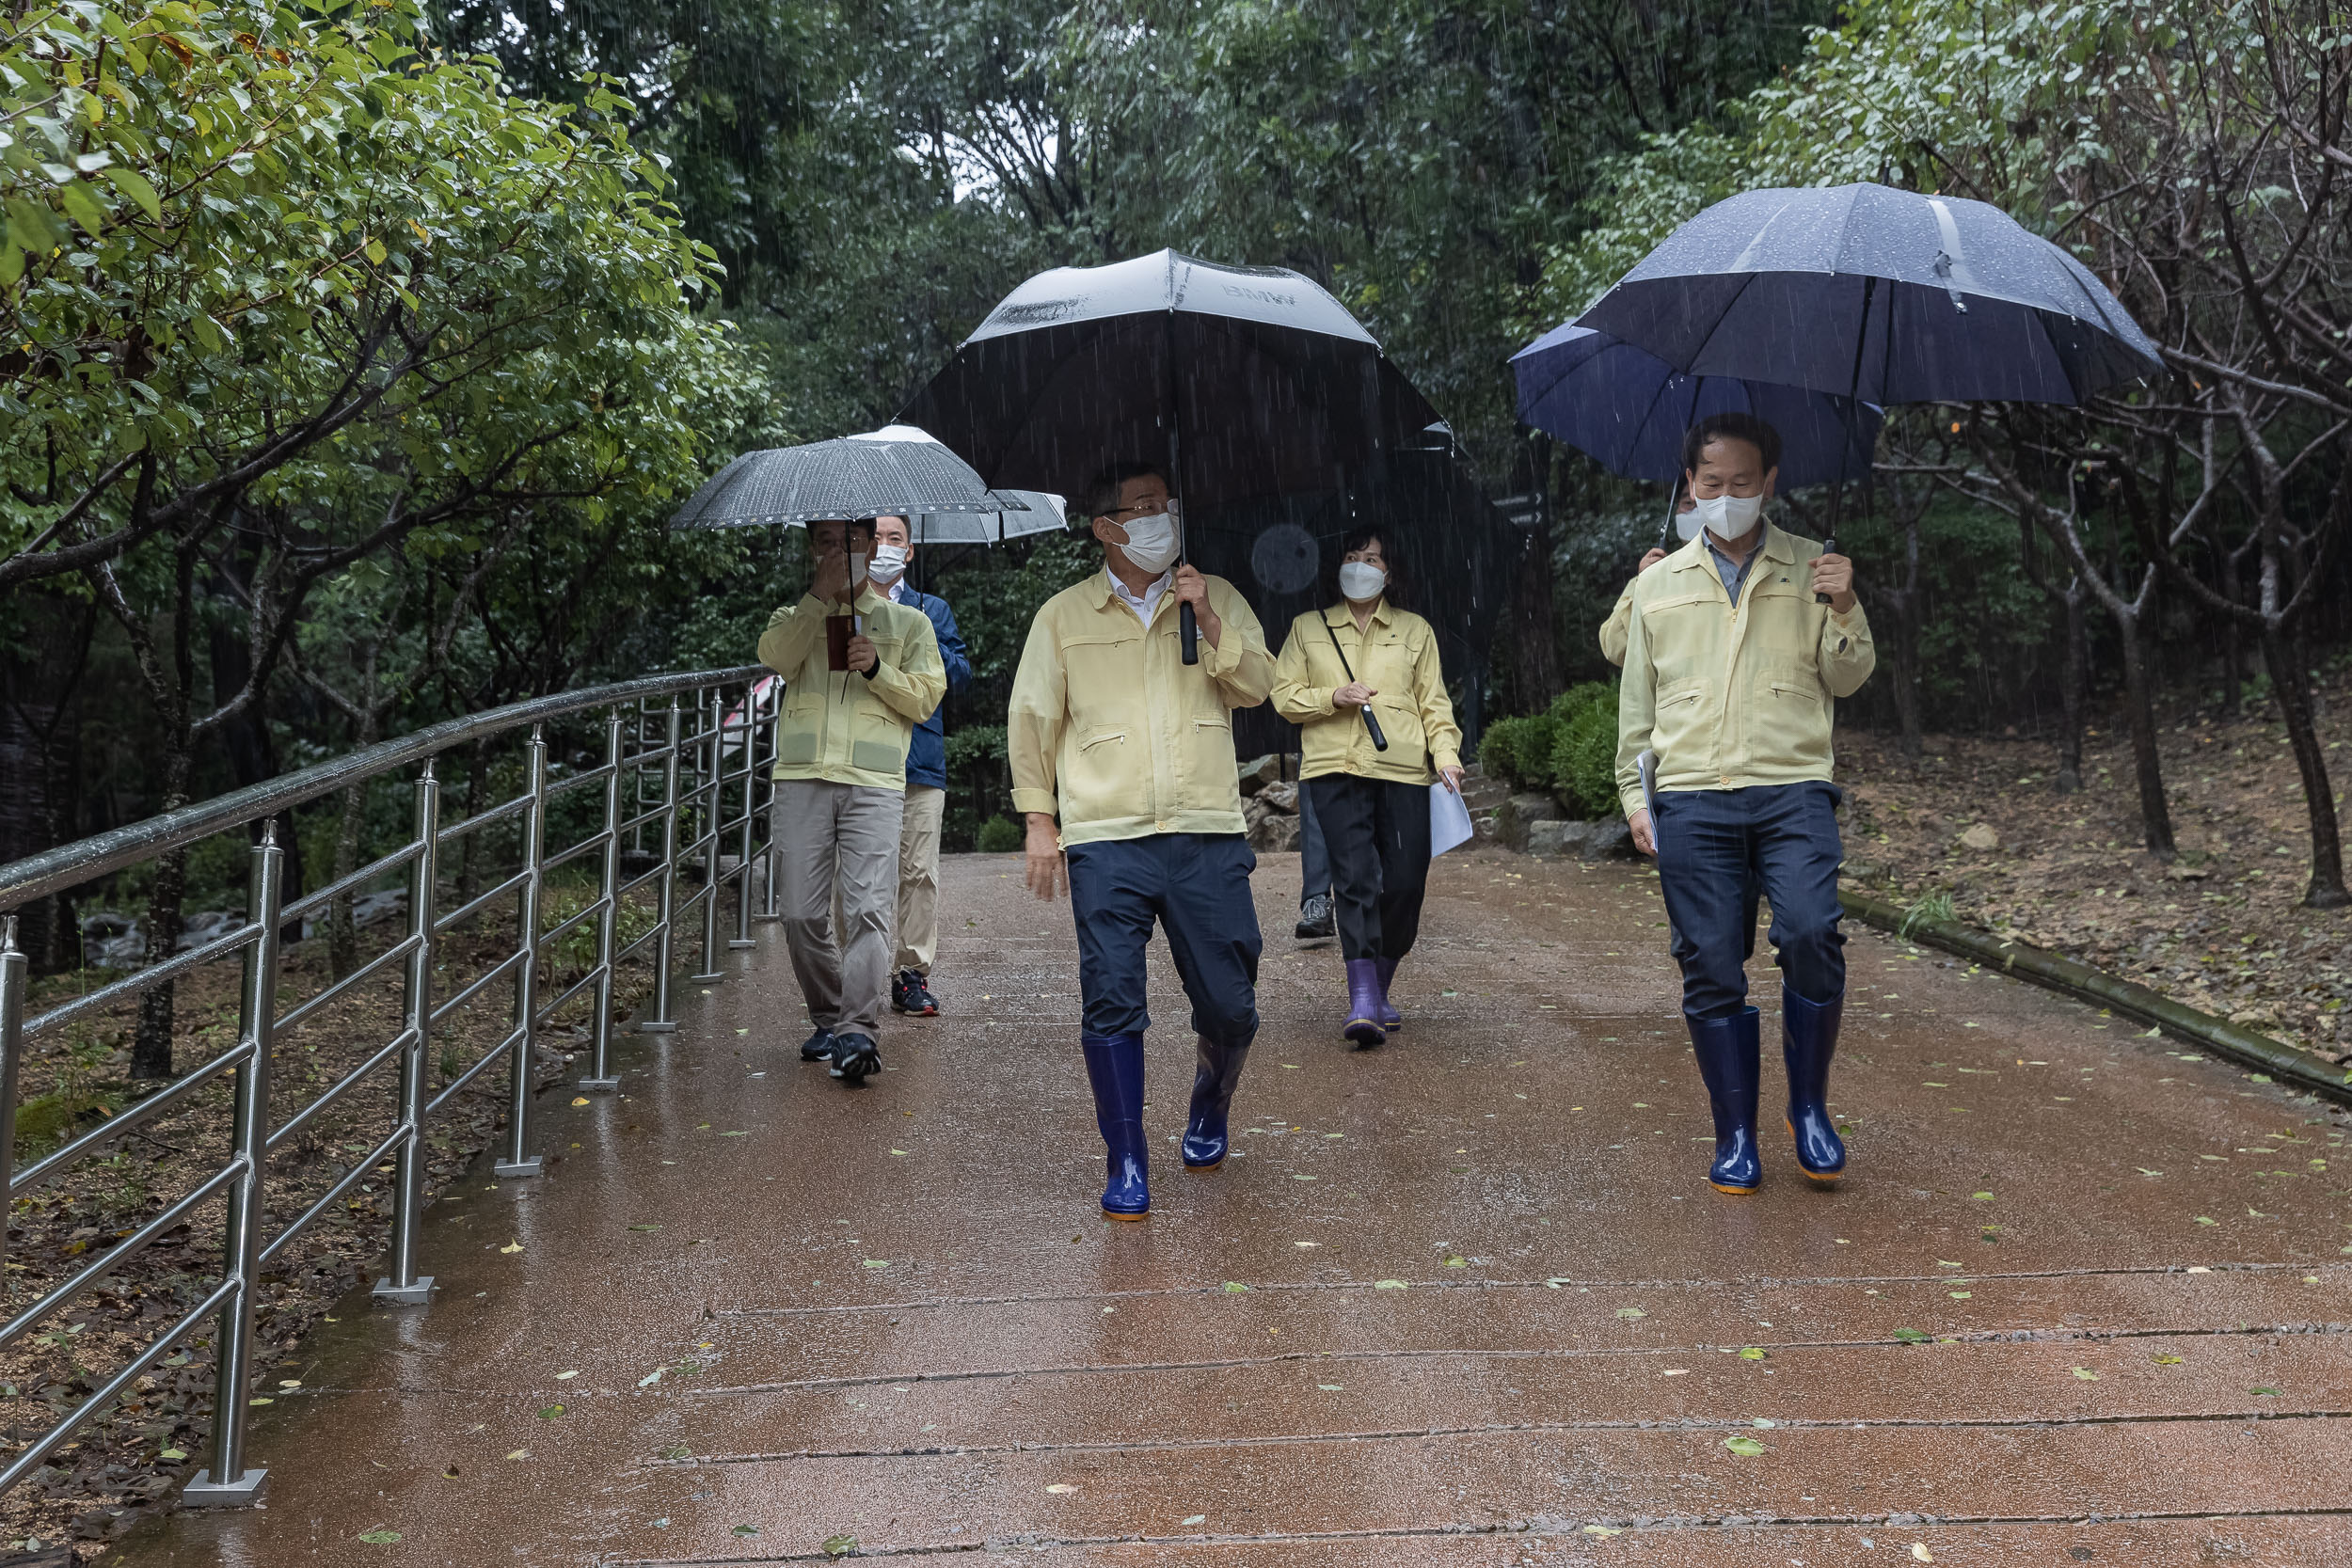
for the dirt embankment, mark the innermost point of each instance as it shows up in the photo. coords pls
(2220, 927)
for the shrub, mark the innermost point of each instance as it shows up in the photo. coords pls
(1001, 835)
(1518, 751)
(1585, 761)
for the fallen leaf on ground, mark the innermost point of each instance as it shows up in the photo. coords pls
(380, 1537)
(1061, 1489)
(1747, 1447)
(511, 1246)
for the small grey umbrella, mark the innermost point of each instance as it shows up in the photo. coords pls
(1043, 513)
(847, 479)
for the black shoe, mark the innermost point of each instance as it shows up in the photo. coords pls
(818, 1047)
(1316, 921)
(909, 994)
(853, 1057)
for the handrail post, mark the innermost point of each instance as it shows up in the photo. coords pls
(600, 1073)
(742, 937)
(520, 1161)
(710, 798)
(665, 910)
(13, 973)
(226, 1482)
(768, 898)
(402, 1285)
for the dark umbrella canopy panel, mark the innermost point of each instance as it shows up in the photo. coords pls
(1267, 384)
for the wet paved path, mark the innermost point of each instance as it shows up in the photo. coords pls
(1464, 1300)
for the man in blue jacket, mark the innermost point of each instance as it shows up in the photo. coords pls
(927, 780)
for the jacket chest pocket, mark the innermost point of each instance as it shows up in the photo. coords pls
(1104, 676)
(1683, 632)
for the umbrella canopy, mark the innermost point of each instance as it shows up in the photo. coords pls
(1246, 381)
(1880, 295)
(1043, 513)
(1629, 409)
(845, 479)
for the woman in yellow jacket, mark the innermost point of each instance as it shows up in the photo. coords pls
(1368, 654)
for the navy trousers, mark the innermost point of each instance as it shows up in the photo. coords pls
(1715, 849)
(1197, 887)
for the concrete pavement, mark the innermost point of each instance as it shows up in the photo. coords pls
(1463, 1300)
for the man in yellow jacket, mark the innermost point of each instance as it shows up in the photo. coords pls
(1732, 673)
(1132, 749)
(860, 672)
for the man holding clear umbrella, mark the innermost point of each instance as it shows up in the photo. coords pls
(861, 673)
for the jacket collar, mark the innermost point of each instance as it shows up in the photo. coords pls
(1698, 553)
(1340, 614)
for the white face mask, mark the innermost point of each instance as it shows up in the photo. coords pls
(1360, 580)
(1689, 524)
(890, 562)
(1729, 517)
(1154, 542)
(857, 567)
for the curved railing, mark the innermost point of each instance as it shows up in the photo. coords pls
(674, 752)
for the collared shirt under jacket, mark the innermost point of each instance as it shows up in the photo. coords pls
(1112, 730)
(846, 727)
(1731, 696)
(1397, 656)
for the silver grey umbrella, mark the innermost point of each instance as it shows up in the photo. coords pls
(846, 479)
(1043, 513)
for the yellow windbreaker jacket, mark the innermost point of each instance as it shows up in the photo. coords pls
(1733, 697)
(1396, 657)
(1112, 730)
(851, 728)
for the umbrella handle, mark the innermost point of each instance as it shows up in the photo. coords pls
(1189, 625)
(1828, 547)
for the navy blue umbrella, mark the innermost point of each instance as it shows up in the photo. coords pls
(1629, 409)
(1879, 294)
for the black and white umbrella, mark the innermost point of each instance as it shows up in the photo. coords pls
(1247, 383)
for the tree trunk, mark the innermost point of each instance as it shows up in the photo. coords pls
(151, 1047)
(1903, 649)
(2232, 650)
(2140, 703)
(1534, 659)
(2290, 680)
(2073, 690)
(342, 933)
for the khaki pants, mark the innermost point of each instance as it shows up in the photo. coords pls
(838, 843)
(918, 878)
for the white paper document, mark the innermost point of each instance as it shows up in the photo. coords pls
(1449, 819)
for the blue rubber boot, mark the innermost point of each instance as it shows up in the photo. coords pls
(1391, 1018)
(1809, 1038)
(1213, 1084)
(1363, 1002)
(1115, 1069)
(1727, 1049)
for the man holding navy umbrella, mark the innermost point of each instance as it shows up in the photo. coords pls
(1739, 644)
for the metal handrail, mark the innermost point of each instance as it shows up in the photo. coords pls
(669, 731)
(54, 870)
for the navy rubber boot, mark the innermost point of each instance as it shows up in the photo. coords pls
(1809, 1038)
(1213, 1084)
(1391, 1018)
(1363, 1002)
(1728, 1051)
(1115, 1069)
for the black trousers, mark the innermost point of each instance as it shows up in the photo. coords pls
(1377, 834)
